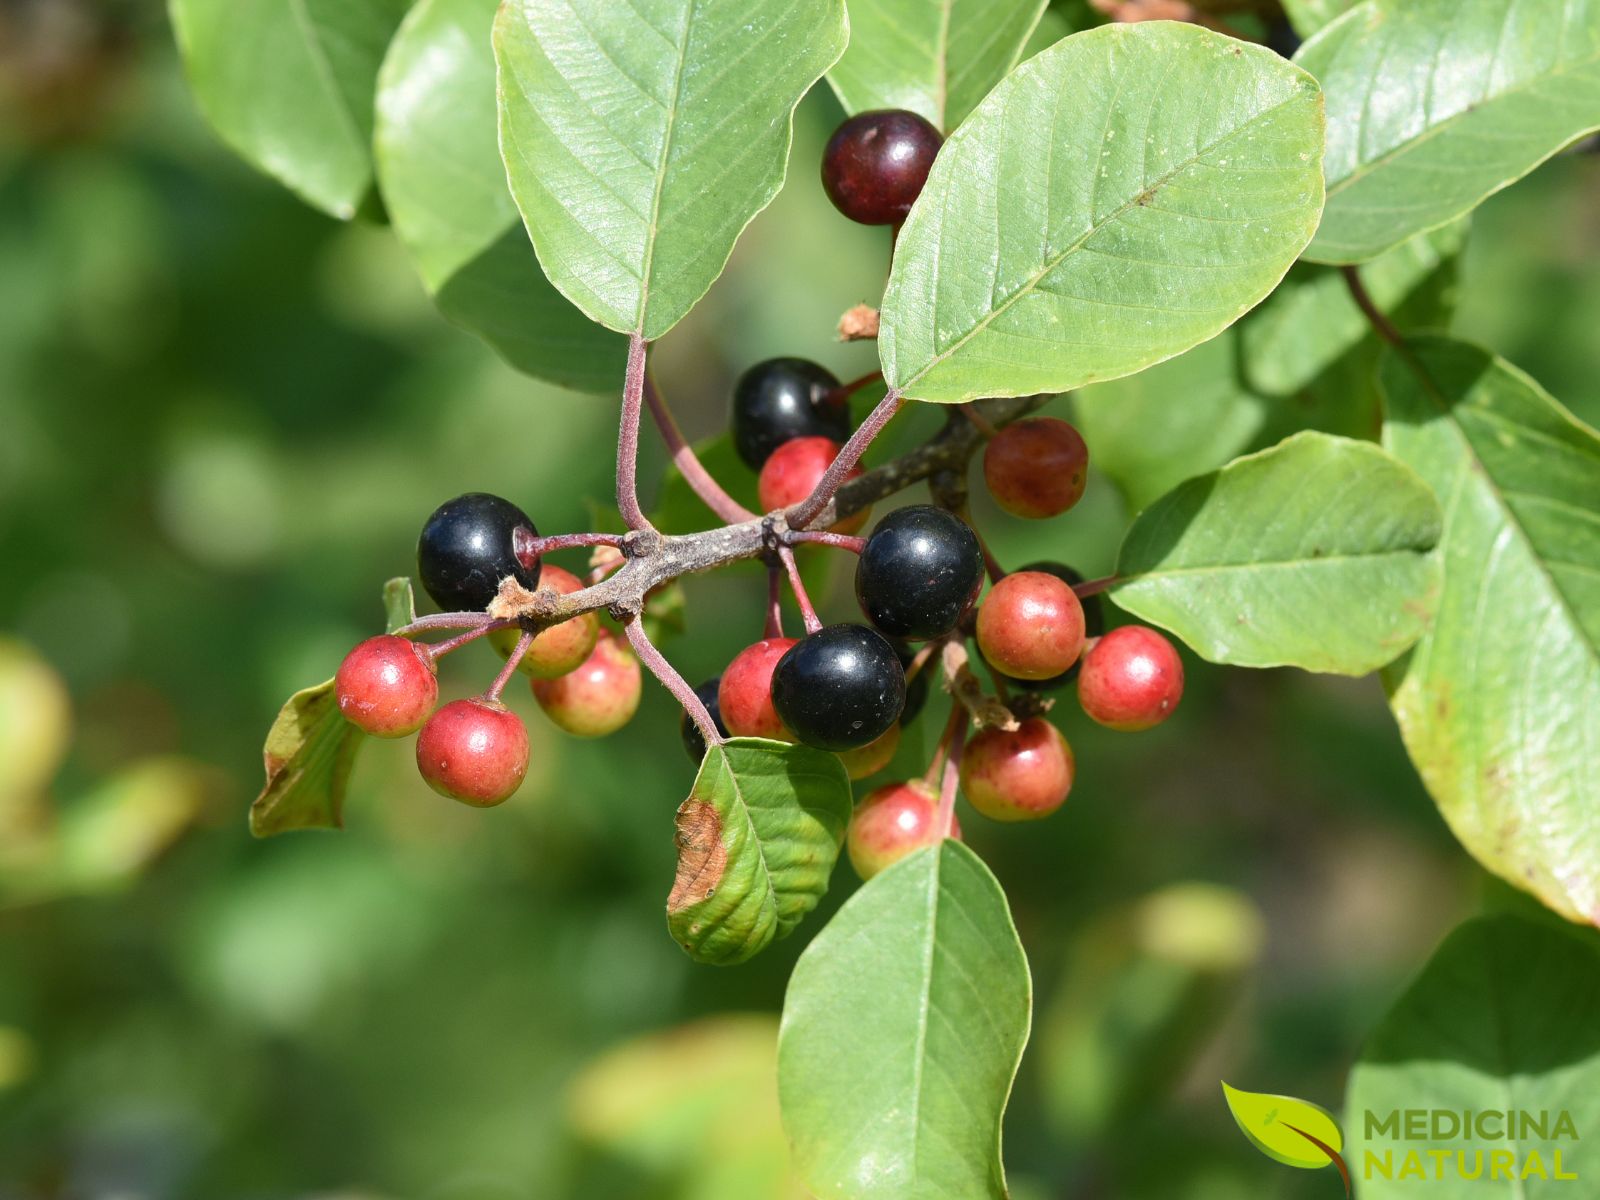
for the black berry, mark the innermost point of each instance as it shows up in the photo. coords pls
(1094, 624)
(876, 163)
(839, 688)
(469, 545)
(693, 740)
(919, 571)
(782, 399)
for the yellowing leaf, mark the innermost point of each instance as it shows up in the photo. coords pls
(1282, 1127)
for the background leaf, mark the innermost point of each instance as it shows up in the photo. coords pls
(1434, 105)
(1308, 16)
(757, 839)
(1172, 176)
(1312, 554)
(289, 84)
(445, 187)
(902, 1028)
(309, 752)
(1500, 704)
(399, 604)
(934, 57)
(642, 137)
(1501, 1018)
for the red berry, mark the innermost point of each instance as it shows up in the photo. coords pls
(793, 472)
(600, 697)
(876, 163)
(1132, 679)
(891, 823)
(1019, 775)
(560, 648)
(1031, 626)
(1036, 468)
(474, 751)
(745, 695)
(874, 756)
(387, 686)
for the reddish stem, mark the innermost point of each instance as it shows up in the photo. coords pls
(492, 696)
(1094, 587)
(808, 614)
(957, 717)
(821, 537)
(688, 462)
(455, 620)
(952, 777)
(671, 680)
(845, 390)
(438, 650)
(979, 422)
(628, 437)
(774, 603)
(1379, 320)
(805, 512)
(533, 548)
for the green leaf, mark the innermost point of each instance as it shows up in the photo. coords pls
(445, 187)
(399, 604)
(1277, 1125)
(1312, 554)
(1124, 195)
(289, 85)
(757, 840)
(1435, 105)
(1501, 1019)
(1308, 16)
(1500, 704)
(641, 138)
(309, 752)
(902, 1029)
(934, 57)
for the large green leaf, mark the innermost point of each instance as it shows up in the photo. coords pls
(445, 187)
(309, 753)
(641, 136)
(1312, 554)
(289, 85)
(1501, 1020)
(1500, 704)
(934, 57)
(1434, 105)
(1308, 16)
(902, 1029)
(757, 839)
(1126, 194)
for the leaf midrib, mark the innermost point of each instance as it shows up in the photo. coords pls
(1270, 564)
(324, 69)
(659, 188)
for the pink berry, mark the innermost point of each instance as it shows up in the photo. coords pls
(745, 694)
(874, 756)
(560, 648)
(891, 823)
(1031, 626)
(1036, 468)
(387, 687)
(600, 697)
(474, 751)
(793, 472)
(1020, 775)
(1132, 679)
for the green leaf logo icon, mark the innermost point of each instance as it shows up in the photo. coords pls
(1293, 1132)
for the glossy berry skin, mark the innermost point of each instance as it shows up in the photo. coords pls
(793, 472)
(892, 822)
(782, 399)
(745, 696)
(474, 751)
(694, 742)
(920, 570)
(1094, 624)
(875, 164)
(1132, 679)
(559, 648)
(387, 687)
(1036, 468)
(1020, 775)
(840, 688)
(1031, 626)
(600, 697)
(868, 760)
(468, 546)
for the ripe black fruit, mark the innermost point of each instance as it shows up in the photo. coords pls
(1094, 624)
(919, 571)
(693, 740)
(782, 399)
(468, 546)
(839, 688)
(876, 163)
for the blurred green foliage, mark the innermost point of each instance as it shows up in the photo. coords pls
(222, 418)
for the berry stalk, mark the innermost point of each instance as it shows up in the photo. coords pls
(806, 512)
(688, 462)
(657, 664)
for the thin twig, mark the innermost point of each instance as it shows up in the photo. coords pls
(628, 437)
(979, 421)
(1379, 320)
(822, 537)
(957, 718)
(808, 614)
(845, 390)
(694, 472)
(539, 547)
(1093, 587)
(774, 602)
(452, 620)
(804, 513)
(438, 650)
(512, 663)
(945, 821)
(671, 680)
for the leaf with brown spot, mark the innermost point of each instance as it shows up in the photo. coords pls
(757, 839)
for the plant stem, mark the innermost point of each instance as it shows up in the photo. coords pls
(438, 650)
(628, 437)
(797, 585)
(804, 513)
(456, 620)
(1094, 587)
(688, 462)
(821, 537)
(845, 390)
(538, 547)
(671, 680)
(1379, 320)
(512, 663)
(957, 718)
(774, 602)
(978, 419)
(945, 821)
